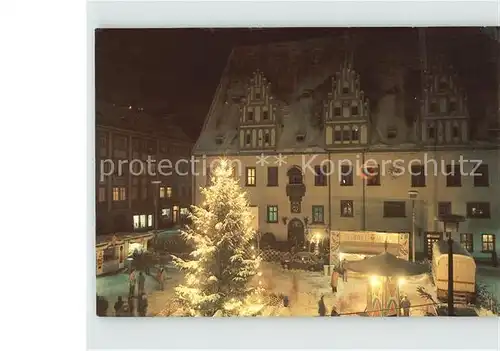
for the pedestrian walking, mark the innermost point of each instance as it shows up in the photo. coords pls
(118, 305)
(286, 301)
(142, 305)
(344, 270)
(161, 278)
(103, 309)
(334, 280)
(405, 305)
(321, 306)
(142, 282)
(132, 281)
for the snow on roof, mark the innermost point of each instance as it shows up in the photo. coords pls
(442, 247)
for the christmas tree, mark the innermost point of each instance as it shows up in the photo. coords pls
(223, 262)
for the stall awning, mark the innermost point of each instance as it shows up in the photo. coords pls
(104, 241)
(386, 265)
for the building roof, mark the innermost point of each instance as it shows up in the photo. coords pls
(137, 120)
(307, 67)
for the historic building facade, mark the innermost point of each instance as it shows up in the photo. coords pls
(315, 154)
(129, 197)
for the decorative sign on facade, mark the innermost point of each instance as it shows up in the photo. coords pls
(99, 260)
(352, 240)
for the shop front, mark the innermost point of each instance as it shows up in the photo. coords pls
(112, 250)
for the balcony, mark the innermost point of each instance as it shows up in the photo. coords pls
(295, 190)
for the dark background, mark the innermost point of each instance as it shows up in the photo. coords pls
(176, 71)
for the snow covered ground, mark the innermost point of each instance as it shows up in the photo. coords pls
(350, 297)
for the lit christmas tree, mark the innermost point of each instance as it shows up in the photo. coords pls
(218, 278)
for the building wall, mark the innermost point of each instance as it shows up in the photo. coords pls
(368, 201)
(116, 215)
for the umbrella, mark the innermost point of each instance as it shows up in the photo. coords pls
(386, 265)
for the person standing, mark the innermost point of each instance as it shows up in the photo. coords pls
(405, 305)
(132, 280)
(321, 306)
(161, 278)
(344, 270)
(334, 312)
(131, 305)
(142, 282)
(118, 306)
(142, 305)
(334, 281)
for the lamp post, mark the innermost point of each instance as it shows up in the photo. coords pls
(413, 194)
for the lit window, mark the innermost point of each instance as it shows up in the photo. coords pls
(142, 221)
(136, 222)
(119, 194)
(150, 220)
(251, 176)
(169, 191)
(488, 242)
(162, 192)
(102, 194)
(176, 214)
(272, 214)
(166, 212)
(478, 210)
(346, 208)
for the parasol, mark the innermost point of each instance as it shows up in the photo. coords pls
(386, 265)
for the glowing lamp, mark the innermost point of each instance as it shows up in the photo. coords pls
(374, 281)
(401, 281)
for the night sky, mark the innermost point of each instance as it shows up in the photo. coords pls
(176, 71)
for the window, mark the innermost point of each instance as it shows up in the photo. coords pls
(272, 176)
(272, 214)
(373, 176)
(354, 110)
(455, 132)
(135, 192)
(139, 221)
(453, 106)
(166, 213)
(345, 90)
(481, 176)
(265, 115)
(294, 176)
(478, 209)
(488, 242)
(145, 193)
(300, 138)
(320, 178)
(442, 85)
(250, 116)
(119, 194)
(150, 221)
(162, 192)
(355, 134)
(337, 135)
(431, 132)
(219, 140)
(266, 138)
(433, 107)
(102, 195)
(417, 176)
(168, 191)
(444, 208)
(336, 111)
(257, 96)
(175, 218)
(318, 214)
(346, 175)
(394, 209)
(346, 135)
(248, 138)
(467, 241)
(392, 133)
(346, 208)
(453, 177)
(251, 176)
(109, 254)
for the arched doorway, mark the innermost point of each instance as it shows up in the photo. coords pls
(296, 235)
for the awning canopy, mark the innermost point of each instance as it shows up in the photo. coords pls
(104, 241)
(386, 265)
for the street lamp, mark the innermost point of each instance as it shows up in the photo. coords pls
(156, 183)
(413, 194)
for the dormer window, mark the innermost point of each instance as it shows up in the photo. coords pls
(336, 111)
(455, 132)
(453, 106)
(300, 138)
(250, 116)
(354, 110)
(355, 134)
(431, 132)
(345, 90)
(265, 115)
(248, 139)
(218, 140)
(257, 96)
(266, 138)
(433, 108)
(392, 133)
